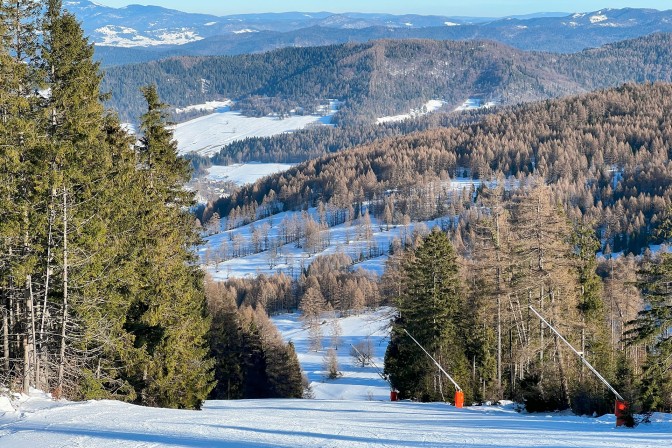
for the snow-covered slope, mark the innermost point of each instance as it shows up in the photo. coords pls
(356, 383)
(244, 173)
(353, 411)
(206, 135)
(313, 423)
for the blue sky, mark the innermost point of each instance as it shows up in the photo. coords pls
(478, 8)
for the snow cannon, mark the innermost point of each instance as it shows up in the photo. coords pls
(623, 416)
(459, 399)
(622, 413)
(459, 394)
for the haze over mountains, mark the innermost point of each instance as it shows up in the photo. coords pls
(142, 33)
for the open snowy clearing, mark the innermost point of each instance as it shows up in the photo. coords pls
(206, 135)
(343, 238)
(244, 173)
(429, 107)
(474, 103)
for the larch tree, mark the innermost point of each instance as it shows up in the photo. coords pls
(544, 278)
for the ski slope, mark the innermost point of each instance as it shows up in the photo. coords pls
(42, 423)
(352, 411)
(356, 383)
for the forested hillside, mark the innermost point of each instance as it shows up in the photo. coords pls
(561, 180)
(554, 32)
(605, 153)
(386, 77)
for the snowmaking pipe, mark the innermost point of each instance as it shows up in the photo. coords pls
(457, 387)
(578, 353)
(380, 372)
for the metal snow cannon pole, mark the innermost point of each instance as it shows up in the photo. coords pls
(459, 394)
(394, 393)
(621, 408)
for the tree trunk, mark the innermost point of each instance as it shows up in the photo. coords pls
(64, 318)
(5, 338)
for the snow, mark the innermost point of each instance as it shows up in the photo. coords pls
(451, 24)
(343, 238)
(206, 135)
(474, 103)
(207, 106)
(120, 36)
(356, 383)
(245, 173)
(246, 30)
(428, 107)
(598, 18)
(351, 411)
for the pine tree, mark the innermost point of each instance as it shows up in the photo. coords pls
(430, 309)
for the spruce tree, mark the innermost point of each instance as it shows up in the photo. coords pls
(653, 327)
(430, 309)
(168, 316)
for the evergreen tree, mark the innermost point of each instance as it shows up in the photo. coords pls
(168, 315)
(589, 396)
(430, 309)
(653, 327)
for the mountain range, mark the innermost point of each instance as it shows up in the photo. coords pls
(388, 77)
(142, 33)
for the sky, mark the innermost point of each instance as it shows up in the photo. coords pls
(474, 8)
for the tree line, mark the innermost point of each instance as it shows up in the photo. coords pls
(99, 293)
(388, 77)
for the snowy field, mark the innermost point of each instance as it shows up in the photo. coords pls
(350, 412)
(244, 173)
(290, 259)
(473, 103)
(429, 107)
(342, 238)
(206, 135)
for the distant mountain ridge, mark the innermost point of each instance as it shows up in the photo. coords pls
(142, 33)
(388, 77)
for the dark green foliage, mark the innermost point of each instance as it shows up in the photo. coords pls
(251, 359)
(387, 77)
(96, 240)
(431, 311)
(653, 327)
(167, 316)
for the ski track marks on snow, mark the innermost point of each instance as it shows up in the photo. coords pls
(356, 414)
(316, 423)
